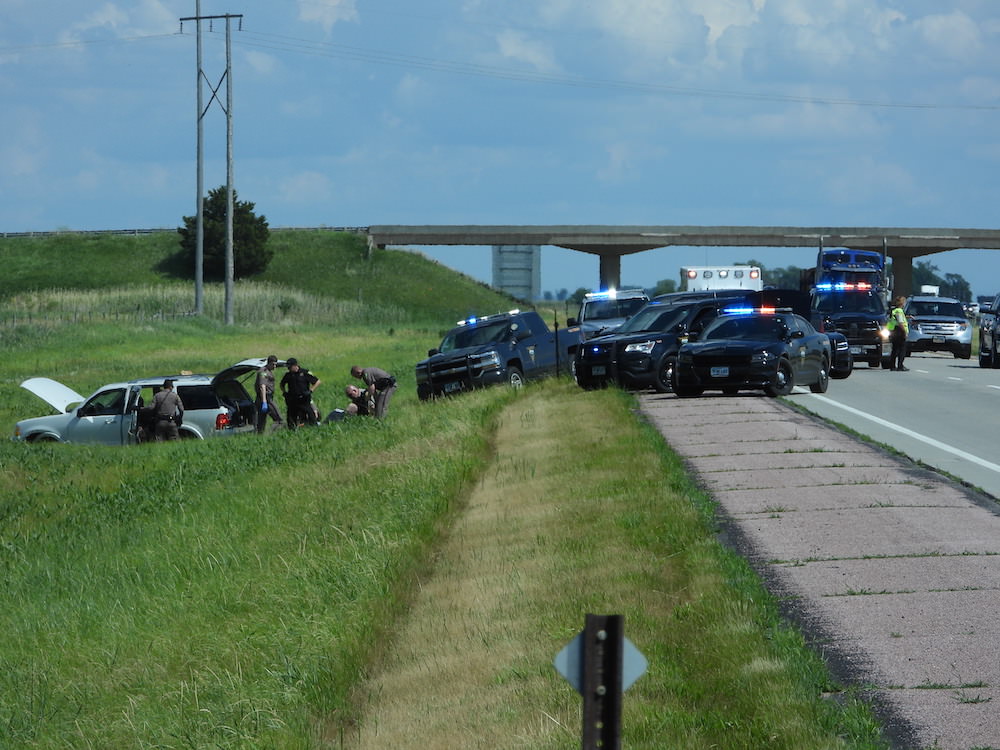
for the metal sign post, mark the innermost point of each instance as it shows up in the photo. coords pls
(601, 663)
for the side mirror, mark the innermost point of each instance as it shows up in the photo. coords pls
(432, 352)
(572, 322)
(795, 334)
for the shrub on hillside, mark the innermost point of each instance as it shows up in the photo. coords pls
(251, 254)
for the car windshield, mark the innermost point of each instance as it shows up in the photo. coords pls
(654, 318)
(608, 309)
(751, 328)
(937, 307)
(475, 335)
(837, 302)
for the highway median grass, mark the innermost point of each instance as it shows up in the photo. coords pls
(271, 591)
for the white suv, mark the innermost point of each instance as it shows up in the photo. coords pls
(938, 324)
(214, 406)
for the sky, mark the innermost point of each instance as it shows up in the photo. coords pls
(621, 112)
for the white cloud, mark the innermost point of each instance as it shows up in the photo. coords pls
(954, 34)
(327, 12)
(515, 45)
(260, 62)
(146, 17)
(411, 89)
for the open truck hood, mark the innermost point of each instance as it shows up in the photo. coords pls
(57, 395)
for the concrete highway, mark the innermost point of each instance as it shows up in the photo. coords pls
(944, 412)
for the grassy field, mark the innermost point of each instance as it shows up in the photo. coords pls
(282, 591)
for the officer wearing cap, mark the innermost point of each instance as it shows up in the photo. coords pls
(297, 386)
(168, 412)
(264, 393)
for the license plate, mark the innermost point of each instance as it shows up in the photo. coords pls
(452, 387)
(939, 339)
(597, 370)
(855, 350)
(719, 372)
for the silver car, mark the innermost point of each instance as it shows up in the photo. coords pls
(938, 324)
(214, 406)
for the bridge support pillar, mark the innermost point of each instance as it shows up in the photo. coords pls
(610, 271)
(902, 275)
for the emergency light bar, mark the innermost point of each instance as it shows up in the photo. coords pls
(844, 286)
(471, 321)
(754, 310)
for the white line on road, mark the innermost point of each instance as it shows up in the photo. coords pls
(915, 435)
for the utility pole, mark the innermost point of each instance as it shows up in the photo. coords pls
(199, 247)
(202, 110)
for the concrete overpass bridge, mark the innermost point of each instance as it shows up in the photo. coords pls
(610, 243)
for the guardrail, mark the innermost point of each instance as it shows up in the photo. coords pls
(355, 230)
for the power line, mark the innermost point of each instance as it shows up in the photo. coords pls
(276, 42)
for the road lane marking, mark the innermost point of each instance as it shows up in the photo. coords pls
(910, 433)
(952, 377)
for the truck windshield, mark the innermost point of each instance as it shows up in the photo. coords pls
(654, 318)
(475, 335)
(836, 302)
(609, 309)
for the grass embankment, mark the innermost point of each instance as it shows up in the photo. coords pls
(234, 594)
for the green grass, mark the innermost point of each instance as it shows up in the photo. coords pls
(238, 594)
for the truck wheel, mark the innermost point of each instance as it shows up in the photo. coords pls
(514, 377)
(664, 382)
(985, 358)
(963, 352)
(784, 380)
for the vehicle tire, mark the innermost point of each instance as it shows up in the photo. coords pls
(664, 382)
(730, 390)
(985, 358)
(840, 374)
(875, 363)
(963, 352)
(515, 378)
(886, 363)
(784, 380)
(687, 391)
(823, 382)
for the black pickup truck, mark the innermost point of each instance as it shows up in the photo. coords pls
(509, 347)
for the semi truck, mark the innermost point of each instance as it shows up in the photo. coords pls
(849, 290)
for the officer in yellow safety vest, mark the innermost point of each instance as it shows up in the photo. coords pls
(898, 329)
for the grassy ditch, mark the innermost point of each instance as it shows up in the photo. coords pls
(236, 593)
(565, 522)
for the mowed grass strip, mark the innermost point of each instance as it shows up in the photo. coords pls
(583, 509)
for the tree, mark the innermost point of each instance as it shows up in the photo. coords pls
(952, 285)
(251, 255)
(664, 286)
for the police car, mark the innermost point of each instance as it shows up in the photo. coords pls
(745, 348)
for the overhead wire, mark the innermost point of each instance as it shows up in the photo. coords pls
(277, 42)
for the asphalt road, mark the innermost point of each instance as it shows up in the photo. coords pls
(944, 412)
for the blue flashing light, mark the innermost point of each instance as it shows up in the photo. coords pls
(844, 286)
(749, 310)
